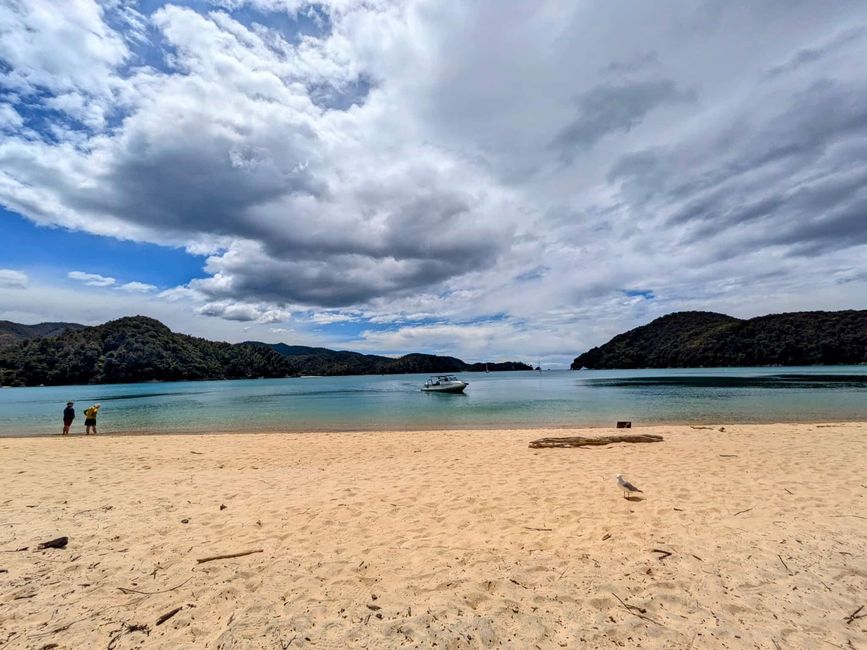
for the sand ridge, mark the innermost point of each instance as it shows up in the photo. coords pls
(452, 539)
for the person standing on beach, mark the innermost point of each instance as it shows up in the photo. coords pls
(68, 417)
(90, 419)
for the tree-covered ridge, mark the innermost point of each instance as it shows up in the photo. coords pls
(137, 349)
(132, 349)
(705, 339)
(11, 332)
(322, 361)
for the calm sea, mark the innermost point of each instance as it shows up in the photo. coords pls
(511, 400)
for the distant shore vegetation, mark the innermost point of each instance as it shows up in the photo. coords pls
(140, 349)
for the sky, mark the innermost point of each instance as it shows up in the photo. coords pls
(491, 179)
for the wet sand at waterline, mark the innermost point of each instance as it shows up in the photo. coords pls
(456, 539)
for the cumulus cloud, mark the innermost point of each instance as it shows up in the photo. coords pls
(244, 312)
(91, 279)
(137, 287)
(12, 279)
(398, 162)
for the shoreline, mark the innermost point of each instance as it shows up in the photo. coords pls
(465, 539)
(510, 428)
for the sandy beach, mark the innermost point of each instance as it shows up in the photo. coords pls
(457, 539)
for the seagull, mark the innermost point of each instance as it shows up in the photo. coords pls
(626, 485)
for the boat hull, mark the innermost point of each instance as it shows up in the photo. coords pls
(454, 388)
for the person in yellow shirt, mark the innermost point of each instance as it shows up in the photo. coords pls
(90, 419)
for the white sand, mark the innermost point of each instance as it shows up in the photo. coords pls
(458, 539)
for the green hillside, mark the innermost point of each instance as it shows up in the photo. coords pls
(705, 339)
(133, 349)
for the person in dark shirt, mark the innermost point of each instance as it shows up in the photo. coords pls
(68, 417)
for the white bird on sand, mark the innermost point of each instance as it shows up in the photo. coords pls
(626, 486)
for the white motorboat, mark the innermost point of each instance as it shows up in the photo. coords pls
(444, 384)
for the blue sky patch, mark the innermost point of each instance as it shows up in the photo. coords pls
(53, 252)
(647, 294)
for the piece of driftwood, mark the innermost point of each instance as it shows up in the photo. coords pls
(60, 542)
(663, 554)
(581, 441)
(229, 555)
(624, 424)
(162, 619)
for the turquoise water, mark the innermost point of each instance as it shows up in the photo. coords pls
(511, 400)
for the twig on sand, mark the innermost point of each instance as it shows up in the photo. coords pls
(162, 619)
(130, 627)
(854, 615)
(784, 563)
(127, 590)
(836, 645)
(229, 555)
(664, 555)
(540, 529)
(66, 626)
(856, 516)
(740, 512)
(103, 508)
(513, 581)
(728, 455)
(636, 611)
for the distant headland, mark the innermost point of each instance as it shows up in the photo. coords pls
(694, 339)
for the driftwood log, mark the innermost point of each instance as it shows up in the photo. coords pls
(60, 542)
(580, 441)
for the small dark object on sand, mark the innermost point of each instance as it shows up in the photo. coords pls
(624, 424)
(60, 542)
(162, 619)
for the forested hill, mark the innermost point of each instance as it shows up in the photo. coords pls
(704, 339)
(133, 349)
(11, 332)
(137, 349)
(322, 361)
